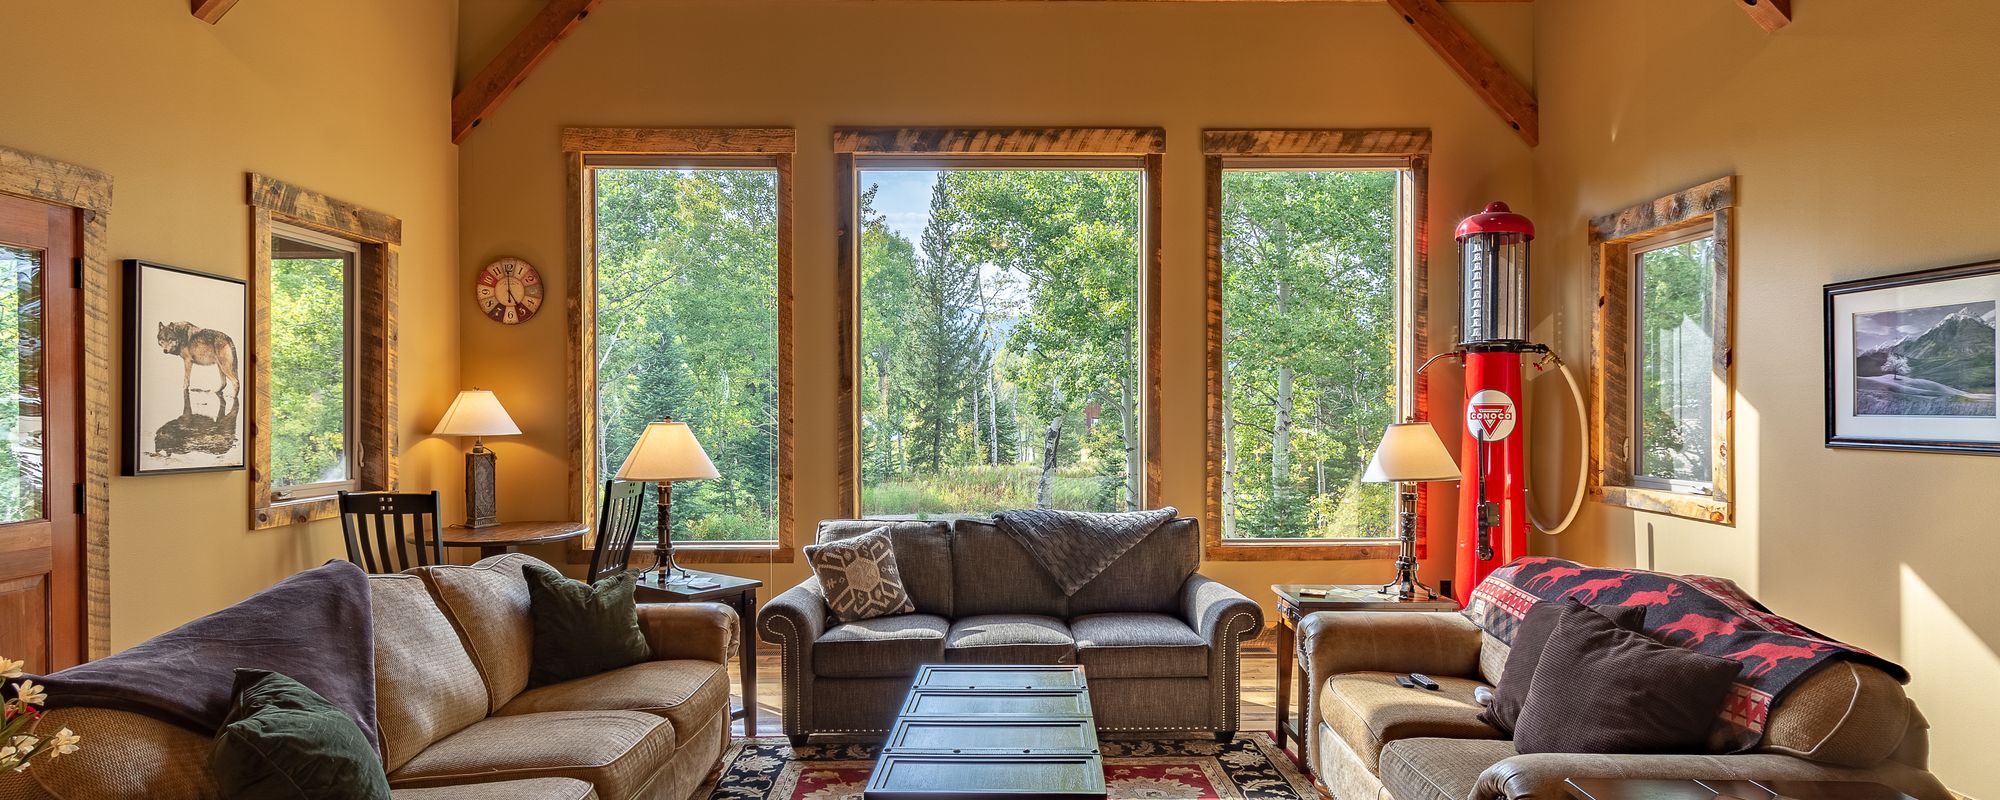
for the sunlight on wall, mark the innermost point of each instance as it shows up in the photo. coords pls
(1941, 651)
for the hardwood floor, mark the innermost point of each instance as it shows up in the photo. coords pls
(1260, 692)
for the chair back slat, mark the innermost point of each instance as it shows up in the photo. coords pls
(617, 528)
(370, 520)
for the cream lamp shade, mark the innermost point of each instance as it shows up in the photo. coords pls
(667, 451)
(476, 412)
(1411, 451)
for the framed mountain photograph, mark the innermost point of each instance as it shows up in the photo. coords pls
(184, 367)
(1910, 361)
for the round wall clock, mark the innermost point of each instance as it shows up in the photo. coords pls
(510, 291)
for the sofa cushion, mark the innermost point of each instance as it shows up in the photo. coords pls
(1599, 688)
(426, 686)
(860, 577)
(488, 602)
(283, 741)
(1438, 769)
(923, 556)
(1147, 577)
(1526, 651)
(530, 789)
(883, 647)
(618, 752)
(583, 629)
(1139, 646)
(687, 693)
(1368, 710)
(1844, 713)
(992, 574)
(1009, 639)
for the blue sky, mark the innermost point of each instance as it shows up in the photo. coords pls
(905, 198)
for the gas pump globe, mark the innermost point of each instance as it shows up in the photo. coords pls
(1493, 260)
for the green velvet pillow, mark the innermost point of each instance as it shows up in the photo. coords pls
(282, 741)
(582, 629)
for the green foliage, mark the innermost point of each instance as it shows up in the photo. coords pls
(308, 370)
(687, 327)
(1017, 308)
(1675, 350)
(20, 433)
(1308, 295)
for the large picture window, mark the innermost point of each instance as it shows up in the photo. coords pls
(1313, 320)
(682, 283)
(1002, 316)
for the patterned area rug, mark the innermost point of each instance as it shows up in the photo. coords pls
(1249, 768)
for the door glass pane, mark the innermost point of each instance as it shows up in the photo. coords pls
(1676, 285)
(999, 340)
(21, 384)
(308, 363)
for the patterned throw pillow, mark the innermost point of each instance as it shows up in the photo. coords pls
(860, 577)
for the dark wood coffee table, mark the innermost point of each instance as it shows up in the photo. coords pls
(991, 731)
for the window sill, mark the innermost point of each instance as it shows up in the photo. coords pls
(1699, 507)
(1298, 550)
(687, 553)
(278, 514)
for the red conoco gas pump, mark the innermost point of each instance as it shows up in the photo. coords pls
(1493, 499)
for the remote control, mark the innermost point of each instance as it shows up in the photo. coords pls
(1405, 682)
(1424, 680)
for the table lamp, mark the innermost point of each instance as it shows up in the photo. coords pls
(666, 452)
(477, 413)
(1410, 453)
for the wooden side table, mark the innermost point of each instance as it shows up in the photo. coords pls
(497, 539)
(1293, 606)
(738, 593)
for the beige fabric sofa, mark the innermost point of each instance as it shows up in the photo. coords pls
(452, 650)
(1370, 739)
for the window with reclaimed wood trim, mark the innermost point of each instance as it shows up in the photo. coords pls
(1662, 437)
(1000, 340)
(298, 237)
(681, 277)
(1316, 263)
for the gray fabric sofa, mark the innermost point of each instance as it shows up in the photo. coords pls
(1158, 641)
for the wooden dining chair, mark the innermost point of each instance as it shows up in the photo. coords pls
(380, 527)
(617, 528)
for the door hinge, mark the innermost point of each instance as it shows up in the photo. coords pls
(76, 272)
(79, 499)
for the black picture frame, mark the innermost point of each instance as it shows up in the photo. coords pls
(1835, 350)
(143, 347)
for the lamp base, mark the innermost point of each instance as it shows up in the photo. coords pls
(481, 488)
(1405, 586)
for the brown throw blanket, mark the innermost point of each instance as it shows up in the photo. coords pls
(1074, 546)
(314, 626)
(1697, 612)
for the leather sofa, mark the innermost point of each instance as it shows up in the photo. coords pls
(452, 652)
(1370, 739)
(1158, 640)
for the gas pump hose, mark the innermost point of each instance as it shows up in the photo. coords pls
(1583, 464)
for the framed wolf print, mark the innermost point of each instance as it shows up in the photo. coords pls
(184, 368)
(1910, 361)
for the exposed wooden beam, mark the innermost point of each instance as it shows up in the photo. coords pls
(210, 11)
(1769, 14)
(1477, 66)
(490, 87)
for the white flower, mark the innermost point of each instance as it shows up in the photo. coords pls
(64, 743)
(31, 693)
(10, 668)
(26, 744)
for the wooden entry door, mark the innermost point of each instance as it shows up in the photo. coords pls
(41, 608)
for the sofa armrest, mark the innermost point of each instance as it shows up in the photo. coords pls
(1540, 776)
(796, 618)
(1216, 611)
(701, 631)
(1442, 643)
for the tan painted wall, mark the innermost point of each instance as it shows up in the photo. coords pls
(815, 65)
(343, 96)
(1864, 134)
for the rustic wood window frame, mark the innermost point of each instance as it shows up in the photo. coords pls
(770, 147)
(89, 191)
(1613, 237)
(375, 441)
(1044, 146)
(1407, 150)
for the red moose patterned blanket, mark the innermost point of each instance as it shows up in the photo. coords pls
(1704, 614)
